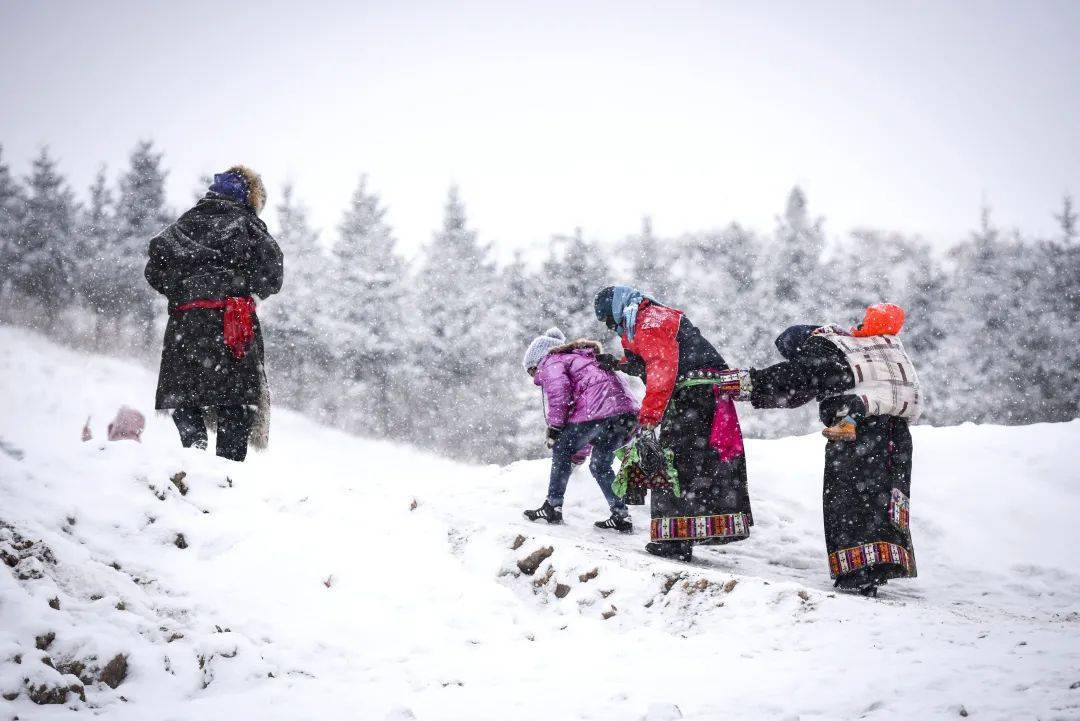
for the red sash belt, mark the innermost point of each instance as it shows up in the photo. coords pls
(239, 314)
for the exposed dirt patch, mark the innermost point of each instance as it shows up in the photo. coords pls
(542, 580)
(670, 580)
(45, 640)
(530, 563)
(115, 671)
(178, 481)
(44, 694)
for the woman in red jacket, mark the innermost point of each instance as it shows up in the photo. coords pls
(699, 423)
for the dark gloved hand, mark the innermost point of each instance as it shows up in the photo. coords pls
(552, 436)
(831, 410)
(607, 361)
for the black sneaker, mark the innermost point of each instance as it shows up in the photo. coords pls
(679, 550)
(548, 512)
(616, 522)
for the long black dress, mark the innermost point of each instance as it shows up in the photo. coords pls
(714, 505)
(865, 503)
(219, 248)
(867, 482)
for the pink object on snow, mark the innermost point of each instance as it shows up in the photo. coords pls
(127, 426)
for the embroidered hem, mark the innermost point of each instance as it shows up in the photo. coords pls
(699, 528)
(871, 554)
(900, 510)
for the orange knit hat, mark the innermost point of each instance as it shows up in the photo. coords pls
(880, 319)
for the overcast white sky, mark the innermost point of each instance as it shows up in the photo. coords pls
(551, 114)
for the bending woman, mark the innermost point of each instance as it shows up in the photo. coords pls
(868, 393)
(700, 424)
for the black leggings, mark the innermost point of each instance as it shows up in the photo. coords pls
(233, 427)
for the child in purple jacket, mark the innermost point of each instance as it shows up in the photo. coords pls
(586, 405)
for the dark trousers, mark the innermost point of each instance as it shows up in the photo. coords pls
(233, 427)
(606, 436)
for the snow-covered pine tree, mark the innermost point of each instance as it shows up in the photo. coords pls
(1052, 368)
(869, 267)
(569, 280)
(650, 262)
(11, 205)
(923, 290)
(1068, 220)
(453, 395)
(140, 214)
(518, 317)
(986, 373)
(44, 251)
(714, 278)
(296, 321)
(799, 288)
(96, 235)
(368, 277)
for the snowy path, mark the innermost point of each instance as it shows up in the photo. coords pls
(310, 587)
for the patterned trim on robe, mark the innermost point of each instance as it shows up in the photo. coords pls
(871, 554)
(900, 510)
(699, 528)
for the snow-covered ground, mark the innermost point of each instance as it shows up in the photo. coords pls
(338, 578)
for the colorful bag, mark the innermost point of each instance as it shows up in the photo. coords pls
(645, 464)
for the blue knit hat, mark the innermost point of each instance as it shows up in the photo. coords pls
(231, 185)
(242, 185)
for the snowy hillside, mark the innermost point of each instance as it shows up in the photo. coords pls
(337, 578)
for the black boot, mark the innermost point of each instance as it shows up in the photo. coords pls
(618, 522)
(234, 427)
(548, 512)
(864, 582)
(679, 550)
(191, 425)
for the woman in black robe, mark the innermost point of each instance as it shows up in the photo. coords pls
(209, 264)
(867, 481)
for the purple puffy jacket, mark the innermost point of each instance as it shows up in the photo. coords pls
(577, 389)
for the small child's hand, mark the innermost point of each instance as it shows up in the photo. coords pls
(552, 436)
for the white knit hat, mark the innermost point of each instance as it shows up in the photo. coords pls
(541, 345)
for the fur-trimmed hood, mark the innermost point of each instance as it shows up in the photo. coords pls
(579, 344)
(256, 191)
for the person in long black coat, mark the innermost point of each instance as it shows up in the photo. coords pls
(209, 264)
(867, 479)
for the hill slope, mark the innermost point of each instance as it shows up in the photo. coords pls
(338, 578)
